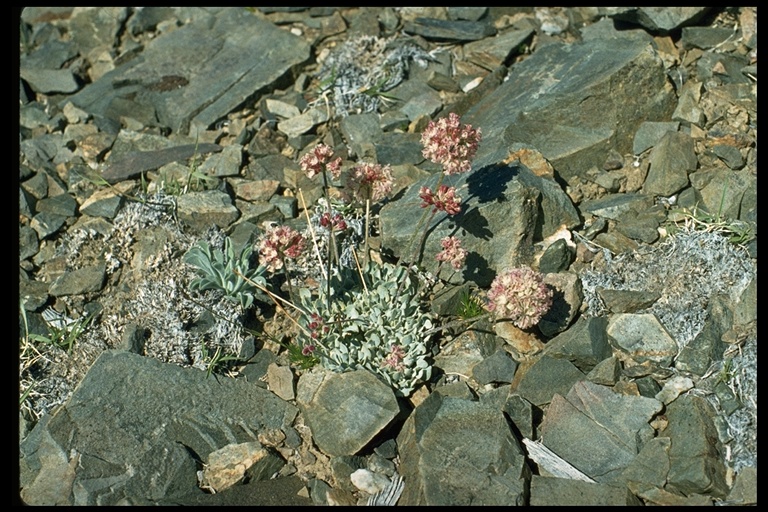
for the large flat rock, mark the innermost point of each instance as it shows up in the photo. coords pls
(574, 103)
(195, 75)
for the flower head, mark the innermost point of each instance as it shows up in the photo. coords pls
(335, 222)
(449, 143)
(280, 242)
(452, 252)
(521, 295)
(395, 358)
(371, 181)
(444, 199)
(319, 159)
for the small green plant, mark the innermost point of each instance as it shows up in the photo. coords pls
(227, 271)
(470, 306)
(62, 332)
(217, 362)
(736, 231)
(370, 325)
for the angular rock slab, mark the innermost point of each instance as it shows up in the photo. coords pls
(455, 451)
(597, 430)
(505, 209)
(133, 429)
(197, 74)
(574, 102)
(345, 411)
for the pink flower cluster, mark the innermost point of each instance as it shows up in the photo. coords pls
(279, 243)
(395, 358)
(316, 326)
(370, 181)
(320, 158)
(444, 200)
(449, 143)
(520, 295)
(452, 252)
(335, 221)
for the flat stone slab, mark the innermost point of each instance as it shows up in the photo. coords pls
(197, 74)
(573, 102)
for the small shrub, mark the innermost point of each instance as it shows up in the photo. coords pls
(226, 271)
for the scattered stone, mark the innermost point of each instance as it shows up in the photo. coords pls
(200, 210)
(442, 464)
(546, 378)
(498, 368)
(642, 337)
(446, 30)
(672, 159)
(345, 410)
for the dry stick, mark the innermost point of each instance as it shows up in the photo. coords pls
(360, 271)
(367, 228)
(312, 232)
(275, 299)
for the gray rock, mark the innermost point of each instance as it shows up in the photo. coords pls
(198, 73)
(606, 372)
(360, 128)
(606, 28)
(722, 193)
(569, 107)
(82, 280)
(427, 104)
(613, 206)
(672, 159)
(695, 455)
(642, 337)
(28, 242)
(200, 210)
(50, 55)
(280, 381)
(697, 356)
(497, 200)
(584, 344)
(650, 133)
(47, 224)
(598, 430)
(556, 258)
(643, 227)
(688, 110)
(627, 301)
(730, 156)
(125, 163)
(721, 68)
(493, 52)
(499, 367)
(399, 148)
(661, 19)
(447, 30)
(93, 27)
(304, 122)
(345, 411)
(566, 302)
(105, 203)
(50, 81)
(550, 491)
(443, 464)
(466, 13)
(225, 163)
(137, 444)
(546, 378)
(704, 37)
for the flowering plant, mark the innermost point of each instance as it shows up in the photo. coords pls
(521, 295)
(372, 315)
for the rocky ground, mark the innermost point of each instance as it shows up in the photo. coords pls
(618, 158)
